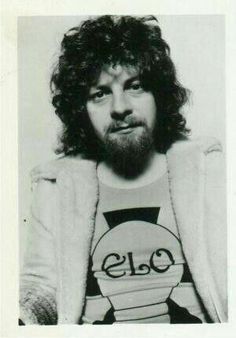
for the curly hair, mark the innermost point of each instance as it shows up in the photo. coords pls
(111, 40)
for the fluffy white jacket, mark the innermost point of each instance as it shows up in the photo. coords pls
(53, 280)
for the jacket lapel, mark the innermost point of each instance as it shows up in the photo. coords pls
(186, 170)
(78, 191)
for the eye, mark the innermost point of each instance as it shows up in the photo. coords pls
(98, 95)
(136, 87)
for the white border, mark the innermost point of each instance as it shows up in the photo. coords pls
(10, 10)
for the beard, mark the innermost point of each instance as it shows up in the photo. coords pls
(128, 154)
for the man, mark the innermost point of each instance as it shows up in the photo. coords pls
(128, 226)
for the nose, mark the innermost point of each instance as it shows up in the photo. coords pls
(120, 106)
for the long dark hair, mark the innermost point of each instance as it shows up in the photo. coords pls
(105, 40)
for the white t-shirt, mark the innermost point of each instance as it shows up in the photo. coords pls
(137, 271)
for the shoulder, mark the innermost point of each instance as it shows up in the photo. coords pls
(195, 158)
(50, 171)
(53, 179)
(202, 156)
(203, 145)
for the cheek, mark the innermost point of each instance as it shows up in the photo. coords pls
(149, 111)
(97, 120)
(96, 123)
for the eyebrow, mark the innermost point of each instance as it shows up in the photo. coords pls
(130, 80)
(126, 83)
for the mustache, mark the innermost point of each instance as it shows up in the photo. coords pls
(130, 121)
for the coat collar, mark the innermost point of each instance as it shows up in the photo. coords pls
(51, 170)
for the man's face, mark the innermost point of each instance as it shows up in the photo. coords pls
(122, 113)
(118, 106)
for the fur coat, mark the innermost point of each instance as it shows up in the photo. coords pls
(53, 280)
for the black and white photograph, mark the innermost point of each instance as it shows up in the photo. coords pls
(118, 192)
(128, 222)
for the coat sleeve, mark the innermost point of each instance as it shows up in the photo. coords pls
(38, 281)
(216, 230)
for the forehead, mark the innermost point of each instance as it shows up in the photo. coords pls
(112, 73)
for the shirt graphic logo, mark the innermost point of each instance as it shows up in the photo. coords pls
(114, 260)
(137, 263)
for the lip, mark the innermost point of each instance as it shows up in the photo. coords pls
(125, 129)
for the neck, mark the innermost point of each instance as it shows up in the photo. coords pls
(155, 167)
